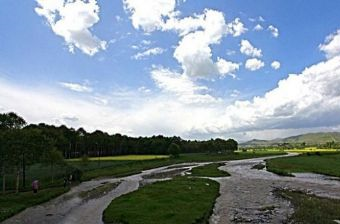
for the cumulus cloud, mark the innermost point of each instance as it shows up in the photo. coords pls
(309, 99)
(76, 87)
(276, 65)
(194, 52)
(182, 86)
(258, 27)
(248, 49)
(254, 64)
(197, 32)
(73, 20)
(236, 28)
(331, 47)
(149, 15)
(274, 31)
(149, 52)
(227, 67)
(185, 25)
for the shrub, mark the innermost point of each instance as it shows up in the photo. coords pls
(174, 150)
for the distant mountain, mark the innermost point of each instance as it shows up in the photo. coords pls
(309, 139)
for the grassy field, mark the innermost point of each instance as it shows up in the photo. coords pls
(124, 168)
(295, 150)
(181, 201)
(310, 209)
(11, 204)
(311, 150)
(123, 158)
(210, 170)
(324, 163)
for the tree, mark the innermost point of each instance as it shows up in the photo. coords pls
(174, 150)
(8, 122)
(232, 145)
(11, 121)
(53, 157)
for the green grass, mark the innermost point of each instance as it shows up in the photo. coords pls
(327, 164)
(11, 204)
(117, 168)
(310, 209)
(181, 201)
(123, 158)
(210, 170)
(124, 168)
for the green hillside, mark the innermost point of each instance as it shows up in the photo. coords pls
(309, 139)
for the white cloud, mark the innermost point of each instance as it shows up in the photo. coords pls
(230, 52)
(309, 100)
(73, 20)
(149, 52)
(146, 42)
(258, 19)
(194, 52)
(331, 47)
(248, 49)
(148, 14)
(144, 89)
(76, 87)
(227, 67)
(274, 31)
(185, 25)
(118, 18)
(235, 93)
(236, 28)
(198, 32)
(261, 19)
(258, 27)
(276, 65)
(254, 64)
(182, 86)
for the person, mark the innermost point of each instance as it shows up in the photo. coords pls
(65, 181)
(35, 186)
(70, 179)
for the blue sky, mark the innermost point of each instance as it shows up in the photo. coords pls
(198, 69)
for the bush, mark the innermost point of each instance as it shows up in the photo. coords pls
(174, 150)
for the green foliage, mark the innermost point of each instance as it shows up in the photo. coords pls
(310, 209)
(10, 121)
(181, 201)
(174, 150)
(328, 164)
(210, 170)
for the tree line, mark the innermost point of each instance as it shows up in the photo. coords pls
(23, 144)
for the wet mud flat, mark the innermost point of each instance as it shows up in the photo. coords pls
(250, 195)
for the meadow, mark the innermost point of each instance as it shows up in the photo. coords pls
(122, 158)
(327, 163)
(210, 170)
(310, 209)
(182, 200)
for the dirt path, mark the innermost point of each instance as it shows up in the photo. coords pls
(247, 196)
(70, 208)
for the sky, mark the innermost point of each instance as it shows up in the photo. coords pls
(197, 69)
